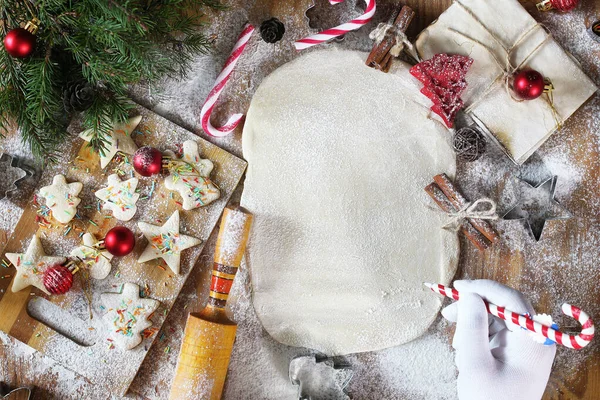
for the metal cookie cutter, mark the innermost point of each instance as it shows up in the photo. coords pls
(12, 171)
(17, 394)
(319, 377)
(537, 205)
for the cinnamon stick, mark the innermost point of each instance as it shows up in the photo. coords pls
(459, 201)
(434, 191)
(380, 57)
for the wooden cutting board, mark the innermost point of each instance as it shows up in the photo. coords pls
(78, 313)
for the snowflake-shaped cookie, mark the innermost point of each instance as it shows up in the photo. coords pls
(189, 175)
(120, 197)
(119, 140)
(31, 266)
(95, 260)
(61, 198)
(127, 315)
(166, 242)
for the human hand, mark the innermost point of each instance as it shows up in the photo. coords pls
(495, 359)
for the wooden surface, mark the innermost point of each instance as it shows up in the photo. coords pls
(100, 358)
(544, 269)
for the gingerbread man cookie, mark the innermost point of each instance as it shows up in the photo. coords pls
(61, 198)
(189, 175)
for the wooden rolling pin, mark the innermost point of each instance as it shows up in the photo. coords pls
(209, 335)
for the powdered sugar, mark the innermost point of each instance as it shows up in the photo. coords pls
(259, 365)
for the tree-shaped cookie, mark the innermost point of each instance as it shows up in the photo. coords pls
(166, 242)
(61, 198)
(127, 315)
(96, 261)
(119, 140)
(120, 197)
(31, 266)
(443, 77)
(189, 175)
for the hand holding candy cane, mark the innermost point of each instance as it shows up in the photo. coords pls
(496, 360)
(572, 341)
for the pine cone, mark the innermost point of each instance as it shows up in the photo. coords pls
(272, 30)
(78, 96)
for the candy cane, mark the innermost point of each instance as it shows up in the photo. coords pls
(340, 30)
(571, 341)
(219, 85)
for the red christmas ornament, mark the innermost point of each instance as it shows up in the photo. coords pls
(58, 279)
(560, 5)
(119, 241)
(20, 42)
(528, 84)
(147, 161)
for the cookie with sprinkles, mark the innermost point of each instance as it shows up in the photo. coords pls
(61, 198)
(96, 261)
(31, 266)
(120, 197)
(127, 315)
(166, 242)
(119, 140)
(190, 176)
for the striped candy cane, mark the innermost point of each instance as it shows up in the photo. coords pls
(571, 341)
(340, 30)
(219, 85)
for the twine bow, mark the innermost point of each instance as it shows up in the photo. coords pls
(470, 210)
(508, 69)
(381, 31)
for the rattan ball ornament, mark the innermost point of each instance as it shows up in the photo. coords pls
(469, 144)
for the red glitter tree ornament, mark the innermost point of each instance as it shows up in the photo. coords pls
(119, 241)
(443, 77)
(20, 42)
(560, 5)
(528, 84)
(147, 161)
(58, 279)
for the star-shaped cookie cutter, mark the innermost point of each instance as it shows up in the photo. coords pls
(537, 206)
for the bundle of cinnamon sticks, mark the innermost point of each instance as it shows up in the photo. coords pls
(380, 57)
(451, 200)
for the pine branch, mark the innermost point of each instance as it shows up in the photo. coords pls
(110, 44)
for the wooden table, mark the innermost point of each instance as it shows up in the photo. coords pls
(563, 267)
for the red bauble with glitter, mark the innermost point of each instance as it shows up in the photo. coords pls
(58, 279)
(560, 5)
(119, 241)
(147, 161)
(528, 84)
(19, 43)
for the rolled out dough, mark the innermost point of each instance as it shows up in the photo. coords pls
(344, 234)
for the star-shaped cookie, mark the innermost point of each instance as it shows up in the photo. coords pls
(96, 261)
(127, 315)
(31, 266)
(189, 175)
(119, 140)
(61, 198)
(166, 242)
(120, 197)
